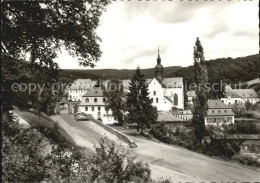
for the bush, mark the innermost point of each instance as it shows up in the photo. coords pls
(24, 159)
(243, 127)
(245, 160)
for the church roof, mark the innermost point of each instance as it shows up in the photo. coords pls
(172, 82)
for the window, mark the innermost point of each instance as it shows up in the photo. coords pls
(152, 100)
(154, 92)
(87, 100)
(219, 111)
(229, 103)
(98, 108)
(212, 111)
(86, 108)
(92, 108)
(235, 101)
(222, 101)
(104, 99)
(157, 100)
(225, 111)
(95, 100)
(175, 99)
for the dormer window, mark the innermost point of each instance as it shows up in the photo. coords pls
(225, 111)
(219, 111)
(87, 100)
(212, 111)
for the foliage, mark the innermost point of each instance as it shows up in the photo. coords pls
(238, 110)
(139, 105)
(25, 159)
(178, 136)
(220, 148)
(24, 83)
(243, 127)
(235, 70)
(42, 28)
(114, 94)
(200, 102)
(245, 160)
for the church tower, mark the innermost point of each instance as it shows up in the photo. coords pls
(158, 70)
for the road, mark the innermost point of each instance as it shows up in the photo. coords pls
(86, 133)
(166, 161)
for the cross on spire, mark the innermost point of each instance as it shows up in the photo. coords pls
(158, 52)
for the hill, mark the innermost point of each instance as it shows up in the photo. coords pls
(72, 74)
(228, 70)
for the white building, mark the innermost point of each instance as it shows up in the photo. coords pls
(239, 96)
(93, 103)
(79, 87)
(219, 113)
(191, 96)
(165, 93)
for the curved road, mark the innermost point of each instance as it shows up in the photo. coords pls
(166, 161)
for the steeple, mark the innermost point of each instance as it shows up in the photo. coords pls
(158, 70)
(159, 58)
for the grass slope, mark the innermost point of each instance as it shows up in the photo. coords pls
(45, 122)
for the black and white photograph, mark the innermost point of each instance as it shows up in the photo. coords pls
(130, 91)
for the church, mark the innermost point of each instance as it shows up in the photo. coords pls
(166, 93)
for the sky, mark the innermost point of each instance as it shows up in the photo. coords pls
(131, 32)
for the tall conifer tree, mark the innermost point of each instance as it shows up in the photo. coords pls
(140, 109)
(200, 103)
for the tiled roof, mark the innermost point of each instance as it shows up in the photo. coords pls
(172, 82)
(246, 93)
(230, 93)
(220, 112)
(95, 92)
(82, 84)
(217, 104)
(191, 94)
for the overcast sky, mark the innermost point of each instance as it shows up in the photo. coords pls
(132, 30)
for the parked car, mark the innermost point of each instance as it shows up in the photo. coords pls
(79, 116)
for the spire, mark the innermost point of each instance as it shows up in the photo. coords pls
(158, 52)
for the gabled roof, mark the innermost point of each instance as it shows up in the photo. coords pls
(95, 92)
(172, 82)
(246, 93)
(230, 92)
(82, 84)
(191, 94)
(217, 104)
(218, 108)
(254, 81)
(168, 98)
(220, 112)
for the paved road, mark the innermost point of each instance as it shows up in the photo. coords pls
(86, 133)
(166, 161)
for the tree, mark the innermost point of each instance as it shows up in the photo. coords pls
(139, 105)
(114, 94)
(36, 30)
(41, 28)
(200, 102)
